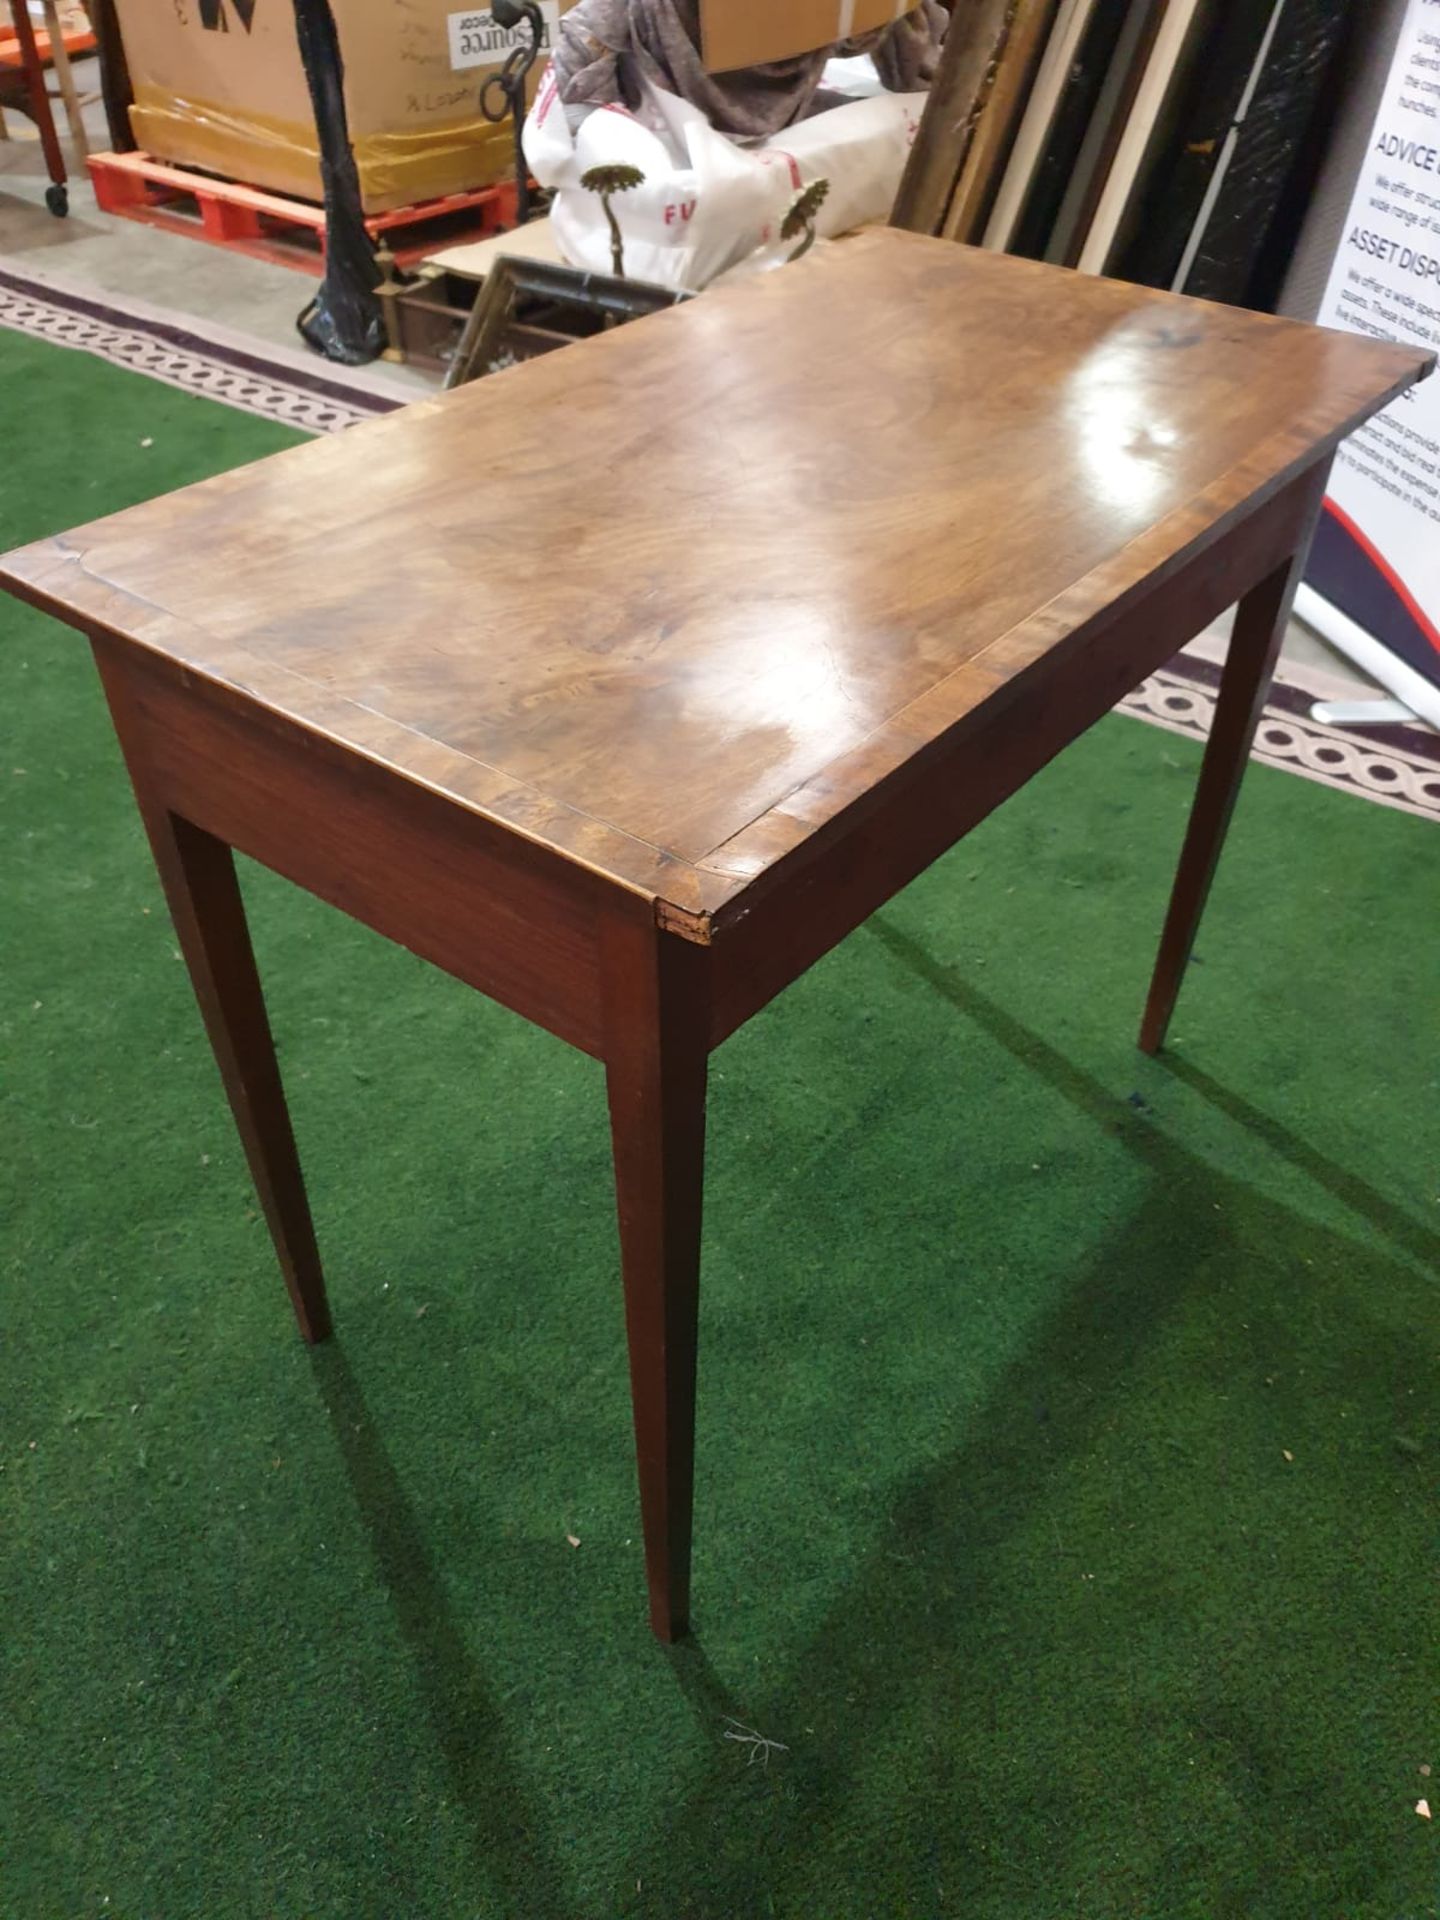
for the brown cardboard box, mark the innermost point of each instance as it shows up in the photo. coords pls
(747, 33)
(219, 85)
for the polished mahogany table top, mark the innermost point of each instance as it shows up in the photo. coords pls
(669, 600)
(626, 684)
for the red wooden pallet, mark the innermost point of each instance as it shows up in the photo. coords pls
(270, 226)
(78, 41)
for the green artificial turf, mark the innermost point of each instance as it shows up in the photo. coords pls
(1068, 1435)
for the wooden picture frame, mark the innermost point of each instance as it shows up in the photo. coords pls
(513, 277)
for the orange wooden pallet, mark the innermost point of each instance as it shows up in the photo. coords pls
(269, 226)
(78, 41)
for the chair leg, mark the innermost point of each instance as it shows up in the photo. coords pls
(39, 98)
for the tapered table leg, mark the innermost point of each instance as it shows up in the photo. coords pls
(1260, 624)
(197, 872)
(657, 1040)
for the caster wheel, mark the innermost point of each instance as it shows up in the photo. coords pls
(57, 199)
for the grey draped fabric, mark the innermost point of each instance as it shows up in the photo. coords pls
(607, 47)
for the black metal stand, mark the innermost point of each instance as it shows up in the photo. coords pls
(343, 321)
(504, 92)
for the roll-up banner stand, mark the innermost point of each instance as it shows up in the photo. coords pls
(1373, 585)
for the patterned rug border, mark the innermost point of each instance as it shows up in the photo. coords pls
(1411, 741)
(1396, 766)
(182, 358)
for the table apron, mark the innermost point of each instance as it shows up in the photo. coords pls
(845, 871)
(514, 920)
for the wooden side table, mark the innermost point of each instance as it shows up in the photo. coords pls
(624, 685)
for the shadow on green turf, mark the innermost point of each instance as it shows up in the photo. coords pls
(939, 1640)
(910, 1613)
(1347, 1187)
(465, 1725)
(1098, 1103)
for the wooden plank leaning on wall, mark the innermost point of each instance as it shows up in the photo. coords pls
(969, 61)
(979, 177)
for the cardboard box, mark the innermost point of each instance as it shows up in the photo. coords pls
(219, 84)
(748, 33)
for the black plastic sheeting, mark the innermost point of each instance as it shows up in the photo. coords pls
(1251, 235)
(343, 321)
(1083, 86)
(1192, 144)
